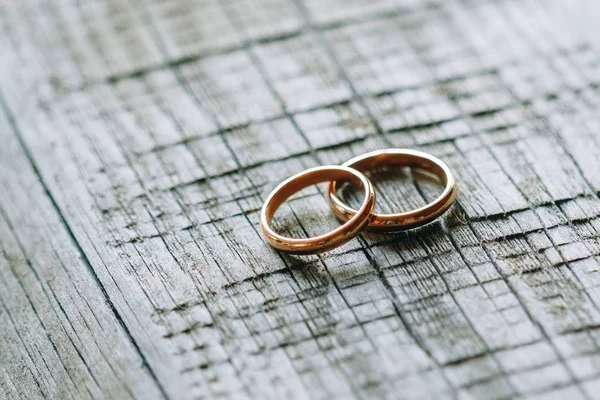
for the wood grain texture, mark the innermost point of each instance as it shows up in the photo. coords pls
(60, 335)
(140, 138)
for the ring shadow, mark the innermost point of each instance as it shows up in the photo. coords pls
(314, 266)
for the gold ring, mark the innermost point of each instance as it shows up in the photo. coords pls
(328, 241)
(405, 220)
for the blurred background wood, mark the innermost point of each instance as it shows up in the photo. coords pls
(139, 139)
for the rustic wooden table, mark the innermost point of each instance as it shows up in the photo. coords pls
(139, 139)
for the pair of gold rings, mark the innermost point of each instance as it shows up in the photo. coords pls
(355, 220)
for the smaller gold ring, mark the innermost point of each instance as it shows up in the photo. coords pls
(328, 241)
(405, 220)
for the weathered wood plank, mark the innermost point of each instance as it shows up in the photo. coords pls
(159, 127)
(60, 335)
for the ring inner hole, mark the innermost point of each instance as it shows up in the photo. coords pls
(398, 188)
(307, 213)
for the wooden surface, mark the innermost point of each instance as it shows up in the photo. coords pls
(139, 138)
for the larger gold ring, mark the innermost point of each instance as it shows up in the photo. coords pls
(405, 220)
(328, 241)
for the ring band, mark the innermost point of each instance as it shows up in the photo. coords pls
(404, 220)
(314, 245)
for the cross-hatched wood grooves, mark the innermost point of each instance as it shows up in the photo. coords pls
(140, 137)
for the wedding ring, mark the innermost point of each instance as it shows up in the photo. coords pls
(314, 245)
(404, 220)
